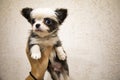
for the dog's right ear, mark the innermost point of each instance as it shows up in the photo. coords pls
(26, 13)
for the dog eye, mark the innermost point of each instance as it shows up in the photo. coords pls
(33, 21)
(48, 21)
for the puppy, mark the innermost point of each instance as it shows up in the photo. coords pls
(45, 25)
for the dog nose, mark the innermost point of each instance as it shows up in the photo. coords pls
(37, 25)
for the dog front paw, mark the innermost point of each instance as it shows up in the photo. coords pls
(62, 56)
(35, 52)
(35, 55)
(61, 53)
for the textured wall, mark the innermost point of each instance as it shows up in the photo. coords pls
(90, 35)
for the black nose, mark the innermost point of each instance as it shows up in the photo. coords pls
(37, 25)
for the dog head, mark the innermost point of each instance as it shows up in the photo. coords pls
(43, 20)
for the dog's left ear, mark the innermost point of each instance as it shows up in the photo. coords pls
(26, 13)
(61, 14)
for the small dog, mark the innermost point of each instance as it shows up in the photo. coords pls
(45, 25)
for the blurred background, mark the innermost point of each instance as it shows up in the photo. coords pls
(90, 36)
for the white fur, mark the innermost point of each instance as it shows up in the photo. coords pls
(61, 54)
(35, 52)
(43, 12)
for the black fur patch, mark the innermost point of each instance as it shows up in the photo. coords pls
(26, 13)
(52, 24)
(58, 44)
(32, 21)
(61, 15)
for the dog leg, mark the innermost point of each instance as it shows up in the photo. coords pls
(35, 52)
(61, 53)
(65, 75)
(54, 75)
(65, 71)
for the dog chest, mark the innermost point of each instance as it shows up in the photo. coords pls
(44, 42)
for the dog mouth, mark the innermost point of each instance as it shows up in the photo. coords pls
(38, 30)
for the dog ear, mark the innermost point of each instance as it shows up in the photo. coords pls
(61, 14)
(26, 13)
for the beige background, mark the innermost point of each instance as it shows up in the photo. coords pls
(90, 35)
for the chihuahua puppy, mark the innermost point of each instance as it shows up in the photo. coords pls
(45, 25)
